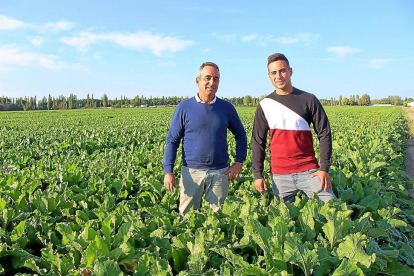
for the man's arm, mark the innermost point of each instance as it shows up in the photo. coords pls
(323, 131)
(236, 127)
(260, 131)
(175, 133)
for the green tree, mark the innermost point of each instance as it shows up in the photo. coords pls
(63, 104)
(364, 100)
(247, 100)
(105, 100)
(88, 101)
(49, 103)
(395, 100)
(70, 102)
(406, 101)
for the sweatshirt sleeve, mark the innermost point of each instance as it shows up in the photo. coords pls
(236, 127)
(260, 132)
(323, 131)
(174, 136)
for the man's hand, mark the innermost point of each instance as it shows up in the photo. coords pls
(260, 185)
(169, 182)
(325, 180)
(234, 171)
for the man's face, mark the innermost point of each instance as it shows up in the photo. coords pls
(208, 82)
(279, 74)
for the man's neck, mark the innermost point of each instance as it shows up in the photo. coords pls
(284, 91)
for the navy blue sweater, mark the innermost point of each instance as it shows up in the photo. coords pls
(203, 129)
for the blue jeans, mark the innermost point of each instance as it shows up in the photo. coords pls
(285, 186)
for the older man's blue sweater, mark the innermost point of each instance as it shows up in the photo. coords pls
(203, 130)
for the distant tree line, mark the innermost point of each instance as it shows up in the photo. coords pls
(364, 100)
(72, 102)
(394, 100)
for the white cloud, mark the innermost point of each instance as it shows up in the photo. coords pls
(301, 37)
(264, 40)
(13, 55)
(309, 37)
(82, 41)
(7, 23)
(157, 44)
(36, 41)
(4, 69)
(379, 62)
(247, 38)
(58, 26)
(342, 51)
(225, 37)
(207, 50)
(287, 40)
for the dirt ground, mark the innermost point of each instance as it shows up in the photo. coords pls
(409, 156)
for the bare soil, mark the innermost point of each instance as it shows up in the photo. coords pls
(409, 153)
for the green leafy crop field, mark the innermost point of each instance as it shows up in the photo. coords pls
(81, 193)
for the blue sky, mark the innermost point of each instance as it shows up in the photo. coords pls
(154, 48)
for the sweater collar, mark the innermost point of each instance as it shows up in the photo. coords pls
(201, 101)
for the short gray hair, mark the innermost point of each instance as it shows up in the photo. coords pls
(208, 63)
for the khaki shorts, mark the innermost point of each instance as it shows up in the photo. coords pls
(195, 182)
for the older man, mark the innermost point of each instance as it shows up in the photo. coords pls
(201, 122)
(286, 115)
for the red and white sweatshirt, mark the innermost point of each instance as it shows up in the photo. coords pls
(287, 119)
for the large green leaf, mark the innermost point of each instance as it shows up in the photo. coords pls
(383, 256)
(396, 269)
(352, 248)
(308, 214)
(198, 258)
(348, 268)
(327, 262)
(106, 267)
(243, 267)
(407, 251)
(95, 250)
(371, 202)
(179, 257)
(300, 255)
(124, 231)
(338, 224)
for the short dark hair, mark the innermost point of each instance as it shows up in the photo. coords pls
(276, 57)
(208, 63)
